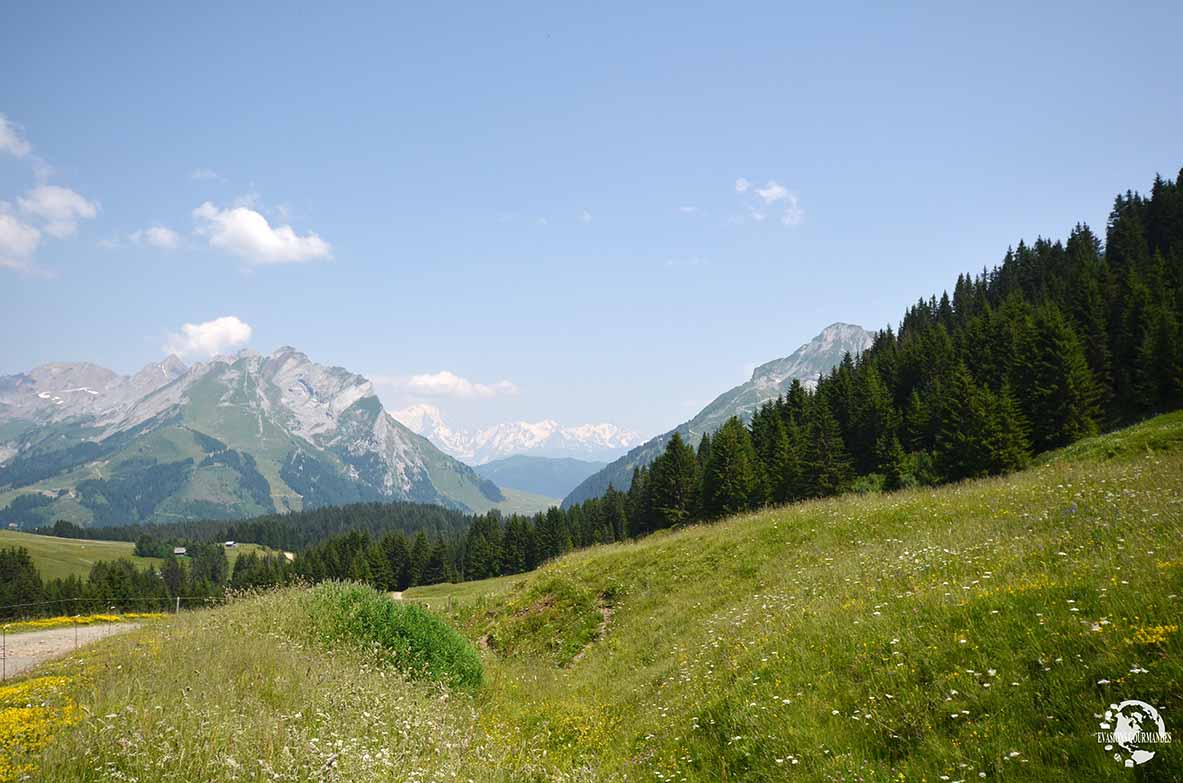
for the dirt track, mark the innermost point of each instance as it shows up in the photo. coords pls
(25, 650)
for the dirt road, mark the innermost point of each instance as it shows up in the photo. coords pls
(25, 650)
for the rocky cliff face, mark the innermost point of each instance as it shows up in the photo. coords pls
(234, 436)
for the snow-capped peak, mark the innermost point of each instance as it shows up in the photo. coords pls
(546, 438)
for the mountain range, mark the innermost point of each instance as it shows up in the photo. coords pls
(550, 477)
(768, 381)
(231, 437)
(546, 438)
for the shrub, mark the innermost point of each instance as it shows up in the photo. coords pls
(415, 641)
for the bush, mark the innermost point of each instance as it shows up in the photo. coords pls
(417, 642)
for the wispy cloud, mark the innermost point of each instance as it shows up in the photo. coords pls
(688, 210)
(209, 338)
(160, 237)
(60, 208)
(772, 196)
(206, 174)
(772, 192)
(448, 384)
(244, 232)
(18, 242)
(585, 217)
(12, 139)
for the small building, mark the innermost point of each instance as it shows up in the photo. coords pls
(179, 551)
(231, 545)
(12, 526)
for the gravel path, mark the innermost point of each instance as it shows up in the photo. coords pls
(23, 651)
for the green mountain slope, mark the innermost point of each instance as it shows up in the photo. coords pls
(548, 476)
(768, 381)
(234, 437)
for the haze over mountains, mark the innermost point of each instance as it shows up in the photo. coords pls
(768, 381)
(231, 437)
(546, 438)
(551, 477)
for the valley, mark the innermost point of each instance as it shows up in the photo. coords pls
(971, 630)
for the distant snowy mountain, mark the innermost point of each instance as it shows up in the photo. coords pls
(768, 381)
(232, 437)
(546, 438)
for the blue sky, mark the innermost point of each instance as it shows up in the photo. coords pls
(541, 200)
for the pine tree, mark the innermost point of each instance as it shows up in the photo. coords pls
(673, 483)
(1057, 389)
(436, 569)
(962, 448)
(1007, 442)
(893, 464)
(827, 466)
(731, 482)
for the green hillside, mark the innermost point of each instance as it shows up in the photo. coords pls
(971, 632)
(60, 557)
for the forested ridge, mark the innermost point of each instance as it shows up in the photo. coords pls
(1060, 340)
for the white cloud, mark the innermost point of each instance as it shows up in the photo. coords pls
(60, 208)
(209, 338)
(772, 196)
(793, 214)
(12, 140)
(449, 384)
(585, 217)
(18, 242)
(156, 236)
(246, 233)
(200, 174)
(688, 210)
(773, 191)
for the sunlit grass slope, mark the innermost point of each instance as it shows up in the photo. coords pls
(968, 633)
(972, 630)
(62, 557)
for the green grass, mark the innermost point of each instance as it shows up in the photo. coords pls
(439, 596)
(61, 557)
(972, 632)
(518, 501)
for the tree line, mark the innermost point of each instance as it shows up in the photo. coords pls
(1058, 341)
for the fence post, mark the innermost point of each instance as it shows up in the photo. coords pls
(75, 630)
(178, 605)
(4, 653)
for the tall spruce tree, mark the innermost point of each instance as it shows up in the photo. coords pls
(827, 467)
(673, 483)
(1058, 393)
(731, 481)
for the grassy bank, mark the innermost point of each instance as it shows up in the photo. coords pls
(61, 557)
(966, 633)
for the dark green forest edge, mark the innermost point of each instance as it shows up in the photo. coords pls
(1059, 341)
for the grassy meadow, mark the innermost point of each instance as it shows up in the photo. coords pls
(61, 557)
(971, 632)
